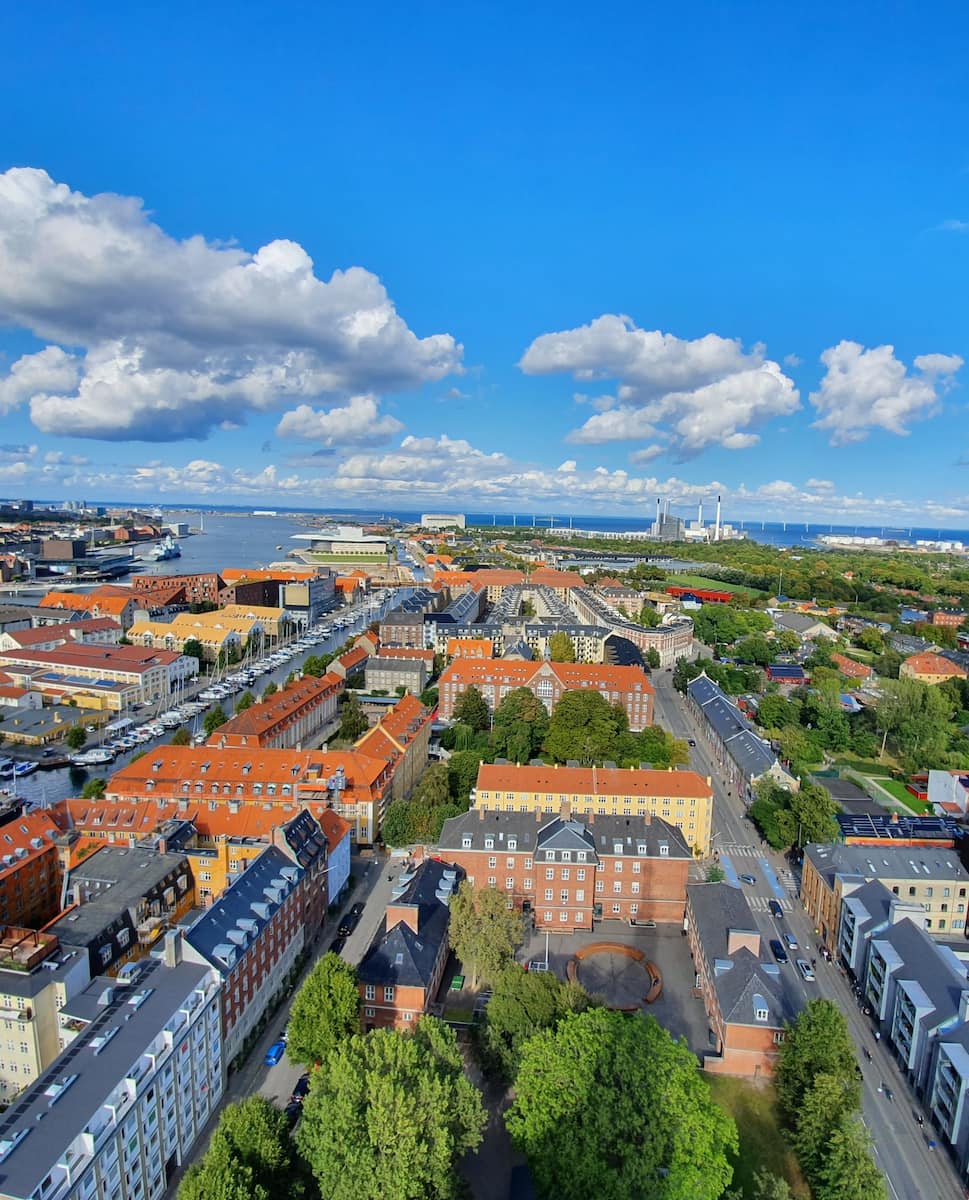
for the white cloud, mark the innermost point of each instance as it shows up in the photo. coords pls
(647, 454)
(792, 360)
(181, 335)
(872, 389)
(356, 423)
(698, 393)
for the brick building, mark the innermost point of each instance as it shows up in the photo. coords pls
(930, 668)
(569, 871)
(291, 716)
(401, 971)
(30, 872)
(401, 737)
(683, 798)
(199, 589)
(549, 681)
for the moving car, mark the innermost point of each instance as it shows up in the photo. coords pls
(791, 941)
(778, 950)
(806, 969)
(751, 879)
(275, 1053)
(775, 909)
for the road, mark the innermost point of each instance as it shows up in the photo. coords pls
(912, 1170)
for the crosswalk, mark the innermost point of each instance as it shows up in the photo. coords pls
(735, 849)
(760, 903)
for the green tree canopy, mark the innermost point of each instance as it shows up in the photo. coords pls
(817, 1043)
(213, 719)
(916, 718)
(472, 709)
(484, 932)
(94, 789)
(462, 773)
(194, 649)
(848, 1171)
(181, 736)
(561, 648)
(522, 1004)
(246, 700)
(520, 725)
(585, 726)
(325, 1010)
(269, 690)
(250, 1151)
(608, 1105)
(353, 720)
(388, 1116)
(75, 737)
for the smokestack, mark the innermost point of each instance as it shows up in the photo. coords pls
(699, 513)
(716, 531)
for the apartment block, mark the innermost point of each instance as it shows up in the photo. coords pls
(123, 1106)
(146, 674)
(401, 737)
(294, 715)
(567, 872)
(30, 873)
(682, 798)
(199, 589)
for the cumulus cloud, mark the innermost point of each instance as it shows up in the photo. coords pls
(692, 393)
(177, 336)
(866, 389)
(647, 453)
(356, 423)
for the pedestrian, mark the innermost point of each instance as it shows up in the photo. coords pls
(878, 1035)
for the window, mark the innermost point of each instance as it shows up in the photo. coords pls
(564, 896)
(549, 893)
(489, 843)
(580, 856)
(408, 1016)
(528, 864)
(563, 917)
(600, 886)
(617, 908)
(617, 888)
(760, 1014)
(945, 891)
(633, 909)
(550, 856)
(635, 889)
(510, 882)
(911, 891)
(388, 995)
(547, 916)
(369, 1012)
(492, 862)
(370, 992)
(549, 872)
(509, 864)
(566, 873)
(566, 856)
(928, 893)
(528, 885)
(492, 881)
(580, 896)
(466, 842)
(618, 868)
(778, 1037)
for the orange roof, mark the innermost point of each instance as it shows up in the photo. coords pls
(848, 666)
(73, 600)
(334, 827)
(346, 583)
(260, 719)
(95, 654)
(111, 604)
(572, 676)
(426, 656)
(20, 834)
(470, 647)
(407, 715)
(353, 657)
(590, 781)
(491, 577)
(928, 663)
(238, 575)
(547, 577)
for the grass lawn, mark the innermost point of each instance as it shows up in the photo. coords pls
(753, 1106)
(900, 792)
(864, 766)
(713, 585)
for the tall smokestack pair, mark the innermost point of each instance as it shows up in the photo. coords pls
(716, 530)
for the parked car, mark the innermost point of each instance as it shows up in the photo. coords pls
(775, 909)
(691, 741)
(791, 941)
(778, 950)
(357, 909)
(806, 969)
(275, 1053)
(348, 924)
(301, 1088)
(336, 946)
(746, 878)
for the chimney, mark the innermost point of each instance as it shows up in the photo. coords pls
(172, 952)
(481, 814)
(565, 810)
(699, 513)
(716, 528)
(590, 817)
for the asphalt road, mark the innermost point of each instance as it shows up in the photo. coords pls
(912, 1170)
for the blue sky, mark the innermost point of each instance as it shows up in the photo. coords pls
(493, 257)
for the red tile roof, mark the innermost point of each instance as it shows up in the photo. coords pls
(590, 781)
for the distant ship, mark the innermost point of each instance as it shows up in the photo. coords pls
(166, 550)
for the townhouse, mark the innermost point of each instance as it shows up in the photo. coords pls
(123, 1107)
(682, 798)
(253, 936)
(401, 972)
(748, 1000)
(567, 872)
(627, 686)
(294, 715)
(930, 875)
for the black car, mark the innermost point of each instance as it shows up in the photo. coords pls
(347, 925)
(301, 1088)
(778, 951)
(775, 909)
(691, 741)
(337, 945)
(357, 909)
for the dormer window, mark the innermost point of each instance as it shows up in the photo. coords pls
(617, 847)
(550, 856)
(466, 841)
(580, 856)
(641, 848)
(566, 856)
(512, 843)
(664, 849)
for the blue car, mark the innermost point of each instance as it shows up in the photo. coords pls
(274, 1053)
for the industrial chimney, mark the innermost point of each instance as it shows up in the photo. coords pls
(716, 530)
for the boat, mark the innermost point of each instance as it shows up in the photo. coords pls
(24, 768)
(166, 550)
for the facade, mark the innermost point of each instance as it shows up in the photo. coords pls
(460, 647)
(807, 628)
(548, 681)
(744, 757)
(306, 600)
(402, 629)
(30, 874)
(930, 668)
(119, 607)
(682, 798)
(252, 936)
(401, 737)
(147, 675)
(949, 618)
(214, 631)
(671, 639)
(442, 521)
(401, 971)
(199, 589)
(948, 793)
(124, 1107)
(337, 833)
(567, 872)
(289, 718)
(748, 1000)
(388, 674)
(930, 876)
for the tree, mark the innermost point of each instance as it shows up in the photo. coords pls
(325, 1011)
(246, 700)
(848, 1171)
(194, 649)
(472, 709)
(484, 932)
(270, 690)
(871, 639)
(520, 725)
(608, 1105)
(776, 712)
(353, 720)
(462, 774)
(429, 697)
(75, 737)
(829, 1099)
(916, 718)
(651, 658)
(250, 1151)
(766, 1187)
(715, 873)
(817, 1043)
(585, 726)
(814, 810)
(649, 618)
(213, 719)
(404, 1110)
(94, 789)
(522, 1004)
(396, 828)
(181, 737)
(561, 648)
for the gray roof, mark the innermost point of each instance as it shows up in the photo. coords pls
(224, 932)
(886, 861)
(134, 1028)
(800, 623)
(751, 753)
(876, 900)
(598, 835)
(402, 956)
(935, 970)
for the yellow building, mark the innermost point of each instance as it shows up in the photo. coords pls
(683, 798)
(274, 622)
(215, 631)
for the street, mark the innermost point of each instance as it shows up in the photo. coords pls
(912, 1170)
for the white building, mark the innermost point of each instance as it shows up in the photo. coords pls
(443, 521)
(122, 1107)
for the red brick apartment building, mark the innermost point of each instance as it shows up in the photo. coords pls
(30, 871)
(548, 681)
(748, 999)
(402, 970)
(401, 737)
(289, 717)
(198, 588)
(570, 871)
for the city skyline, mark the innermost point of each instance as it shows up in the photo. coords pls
(515, 262)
